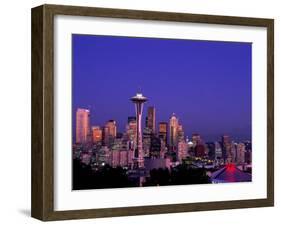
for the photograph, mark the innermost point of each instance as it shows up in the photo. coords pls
(150, 111)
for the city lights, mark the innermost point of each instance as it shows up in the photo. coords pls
(139, 156)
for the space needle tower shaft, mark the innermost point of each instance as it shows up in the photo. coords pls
(138, 100)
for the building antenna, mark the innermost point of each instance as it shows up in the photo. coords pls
(139, 89)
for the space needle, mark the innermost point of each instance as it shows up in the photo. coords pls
(138, 100)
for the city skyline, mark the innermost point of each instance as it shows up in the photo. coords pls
(143, 157)
(94, 130)
(220, 105)
(145, 122)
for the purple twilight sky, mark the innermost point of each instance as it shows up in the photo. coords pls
(207, 84)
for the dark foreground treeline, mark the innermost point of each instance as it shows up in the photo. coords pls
(107, 177)
(180, 175)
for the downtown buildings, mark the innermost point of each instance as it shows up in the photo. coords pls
(151, 147)
(82, 125)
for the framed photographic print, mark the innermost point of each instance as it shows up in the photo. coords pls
(141, 112)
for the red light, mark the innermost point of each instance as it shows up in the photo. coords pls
(230, 167)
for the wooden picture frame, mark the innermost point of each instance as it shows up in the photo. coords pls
(42, 204)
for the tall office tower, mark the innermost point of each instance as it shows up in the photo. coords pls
(248, 156)
(155, 149)
(147, 134)
(151, 119)
(97, 134)
(163, 148)
(218, 150)
(226, 139)
(211, 150)
(139, 100)
(248, 152)
(105, 136)
(182, 151)
(131, 129)
(163, 132)
(233, 150)
(112, 132)
(196, 139)
(112, 128)
(226, 148)
(248, 145)
(82, 125)
(180, 133)
(174, 123)
(123, 158)
(241, 150)
(115, 152)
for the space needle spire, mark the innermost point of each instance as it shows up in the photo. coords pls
(138, 100)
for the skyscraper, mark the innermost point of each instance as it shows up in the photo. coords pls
(196, 139)
(182, 151)
(174, 123)
(248, 152)
(82, 125)
(155, 147)
(163, 132)
(124, 158)
(97, 134)
(147, 134)
(180, 133)
(139, 100)
(151, 118)
(233, 151)
(226, 148)
(105, 136)
(109, 133)
(131, 130)
(240, 153)
(112, 128)
(218, 153)
(211, 150)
